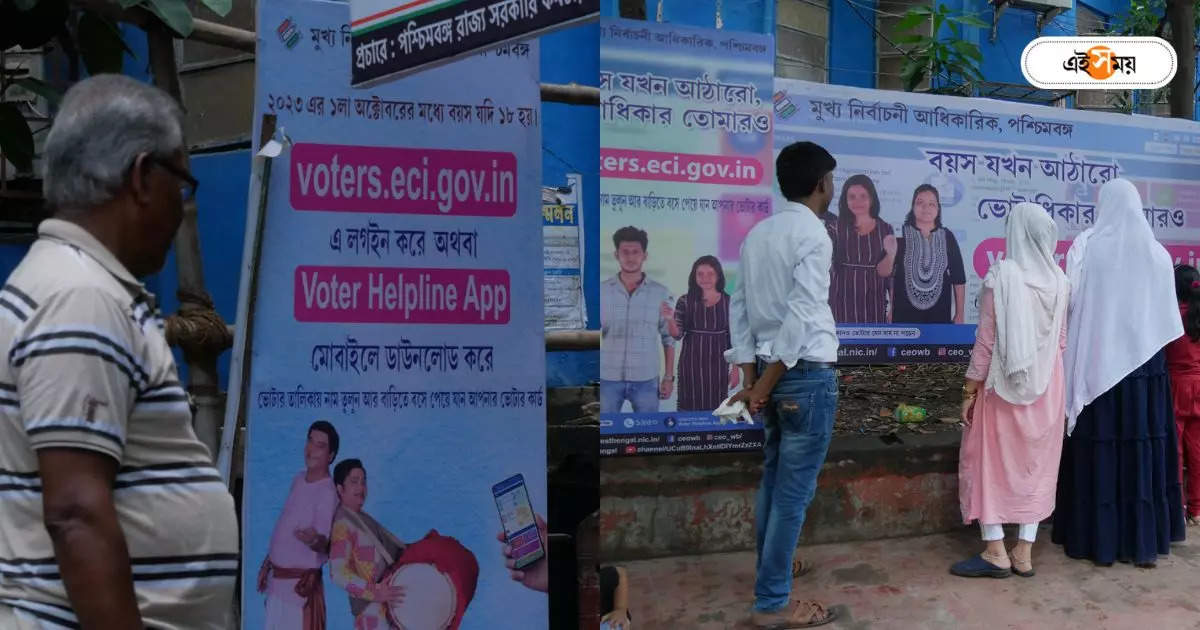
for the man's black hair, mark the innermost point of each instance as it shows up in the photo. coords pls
(630, 234)
(330, 433)
(344, 468)
(800, 167)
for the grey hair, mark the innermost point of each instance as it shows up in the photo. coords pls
(104, 123)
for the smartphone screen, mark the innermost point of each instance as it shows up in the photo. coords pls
(516, 516)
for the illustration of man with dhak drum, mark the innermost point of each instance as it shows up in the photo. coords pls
(426, 585)
(291, 572)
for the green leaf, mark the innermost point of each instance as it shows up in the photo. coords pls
(939, 52)
(920, 10)
(912, 74)
(16, 140)
(968, 49)
(174, 13)
(39, 87)
(100, 44)
(914, 80)
(910, 21)
(969, 20)
(128, 4)
(220, 7)
(25, 5)
(911, 39)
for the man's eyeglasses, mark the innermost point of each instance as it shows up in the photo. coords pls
(187, 189)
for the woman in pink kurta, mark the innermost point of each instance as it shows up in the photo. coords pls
(1014, 398)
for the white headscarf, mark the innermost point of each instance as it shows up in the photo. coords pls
(1123, 308)
(1031, 295)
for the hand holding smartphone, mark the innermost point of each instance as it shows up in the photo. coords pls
(518, 520)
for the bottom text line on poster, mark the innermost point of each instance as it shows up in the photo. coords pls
(678, 443)
(392, 399)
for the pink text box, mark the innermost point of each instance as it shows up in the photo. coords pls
(680, 167)
(341, 178)
(391, 295)
(992, 249)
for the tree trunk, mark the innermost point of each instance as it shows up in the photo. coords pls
(633, 9)
(1181, 15)
(202, 366)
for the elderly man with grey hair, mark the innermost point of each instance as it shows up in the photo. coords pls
(113, 515)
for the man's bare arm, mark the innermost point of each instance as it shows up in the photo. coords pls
(770, 377)
(81, 518)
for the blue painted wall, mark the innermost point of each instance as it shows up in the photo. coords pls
(852, 43)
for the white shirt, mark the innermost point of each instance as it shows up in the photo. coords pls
(780, 310)
(308, 505)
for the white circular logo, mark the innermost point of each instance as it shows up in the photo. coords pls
(628, 423)
(1099, 63)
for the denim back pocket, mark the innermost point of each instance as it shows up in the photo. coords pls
(795, 411)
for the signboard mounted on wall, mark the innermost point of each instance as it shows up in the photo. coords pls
(563, 256)
(392, 38)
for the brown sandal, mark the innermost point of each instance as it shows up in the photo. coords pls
(815, 615)
(809, 614)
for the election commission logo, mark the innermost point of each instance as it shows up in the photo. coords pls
(1098, 63)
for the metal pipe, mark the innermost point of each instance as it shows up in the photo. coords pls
(556, 340)
(241, 39)
(221, 35)
(256, 209)
(572, 340)
(571, 94)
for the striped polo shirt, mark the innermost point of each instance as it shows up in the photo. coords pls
(86, 365)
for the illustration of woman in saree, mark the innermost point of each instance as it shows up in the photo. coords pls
(425, 585)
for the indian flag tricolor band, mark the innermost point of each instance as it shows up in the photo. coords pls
(406, 10)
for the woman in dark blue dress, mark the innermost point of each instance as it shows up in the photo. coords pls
(1119, 496)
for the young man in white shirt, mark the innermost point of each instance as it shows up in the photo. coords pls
(784, 339)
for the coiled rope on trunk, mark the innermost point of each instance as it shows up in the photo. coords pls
(197, 328)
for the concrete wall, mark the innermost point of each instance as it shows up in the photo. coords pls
(696, 504)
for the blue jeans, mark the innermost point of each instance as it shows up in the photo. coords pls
(643, 395)
(797, 426)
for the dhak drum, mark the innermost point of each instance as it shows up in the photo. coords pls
(429, 598)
